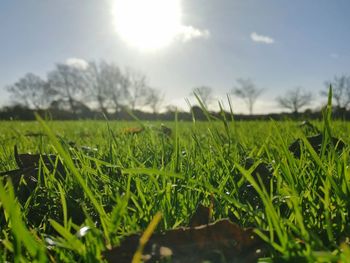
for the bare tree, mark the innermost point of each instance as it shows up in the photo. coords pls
(154, 99)
(295, 99)
(96, 85)
(116, 85)
(205, 93)
(171, 108)
(248, 92)
(340, 90)
(137, 88)
(70, 84)
(31, 91)
(107, 85)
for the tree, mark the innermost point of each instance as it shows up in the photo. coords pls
(96, 85)
(340, 90)
(70, 84)
(171, 108)
(205, 94)
(295, 99)
(116, 85)
(31, 91)
(154, 99)
(107, 86)
(248, 92)
(137, 89)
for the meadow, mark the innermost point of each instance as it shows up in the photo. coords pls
(78, 189)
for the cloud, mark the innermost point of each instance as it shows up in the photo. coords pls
(261, 38)
(77, 62)
(334, 55)
(187, 33)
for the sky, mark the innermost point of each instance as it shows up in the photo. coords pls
(279, 44)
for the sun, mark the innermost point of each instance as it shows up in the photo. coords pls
(147, 24)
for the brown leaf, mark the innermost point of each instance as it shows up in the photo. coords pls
(26, 160)
(309, 128)
(28, 165)
(34, 134)
(201, 216)
(133, 130)
(316, 143)
(263, 172)
(222, 241)
(165, 130)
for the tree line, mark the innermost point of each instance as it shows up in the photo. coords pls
(103, 86)
(293, 100)
(85, 89)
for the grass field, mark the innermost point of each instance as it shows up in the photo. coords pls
(110, 181)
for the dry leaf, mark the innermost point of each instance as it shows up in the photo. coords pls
(133, 130)
(316, 143)
(222, 241)
(201, 216)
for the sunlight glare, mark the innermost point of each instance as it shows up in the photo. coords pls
(147, 24)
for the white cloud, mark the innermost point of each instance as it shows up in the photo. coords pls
(77, 62)
(187, 33)
(261, 38)
(334, 55)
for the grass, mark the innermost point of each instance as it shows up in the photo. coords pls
(117, 188)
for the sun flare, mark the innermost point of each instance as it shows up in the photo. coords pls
(147, 24)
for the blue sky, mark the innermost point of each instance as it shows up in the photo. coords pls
(310, 44)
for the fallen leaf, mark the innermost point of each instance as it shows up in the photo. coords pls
(165, 130)
(133, 130)
(26, 160)
(263, 171)
(34, 134)
(309, 128)
(29, 165)
(222, 241)
(202, 216)
(316, 143)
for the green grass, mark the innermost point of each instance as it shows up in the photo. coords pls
(118, 188)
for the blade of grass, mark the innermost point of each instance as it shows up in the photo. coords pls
(145, 237)
(70, 165)
(18, 228)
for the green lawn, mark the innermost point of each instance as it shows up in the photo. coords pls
(114, 181)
